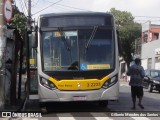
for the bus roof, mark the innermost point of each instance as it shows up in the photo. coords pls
(76, 19)
(77, 14)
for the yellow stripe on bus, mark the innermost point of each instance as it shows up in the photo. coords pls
(77, 84)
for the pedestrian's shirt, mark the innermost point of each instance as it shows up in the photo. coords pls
(136, 73)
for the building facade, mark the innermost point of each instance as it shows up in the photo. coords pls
(150, 48)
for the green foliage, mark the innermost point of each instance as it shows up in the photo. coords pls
(19, 21)
(128, 30)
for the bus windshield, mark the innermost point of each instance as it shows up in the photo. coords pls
(78, 49)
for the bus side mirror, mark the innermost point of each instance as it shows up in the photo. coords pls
(34, 39)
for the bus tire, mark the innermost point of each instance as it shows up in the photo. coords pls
(43, 107)
(44, 110)
(103, 103)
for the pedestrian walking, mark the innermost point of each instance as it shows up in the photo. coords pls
(124, 76)
(136, 73)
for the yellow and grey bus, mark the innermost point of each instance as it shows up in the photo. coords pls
(77, 57)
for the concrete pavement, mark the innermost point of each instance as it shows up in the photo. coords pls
(19, 102)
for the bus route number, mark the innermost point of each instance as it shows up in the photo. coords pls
(93, 84)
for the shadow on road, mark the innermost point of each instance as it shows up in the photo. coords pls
(150, 101)
(75, 107)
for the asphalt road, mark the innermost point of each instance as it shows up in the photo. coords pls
(116, 110)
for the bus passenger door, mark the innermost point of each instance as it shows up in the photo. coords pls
(32, 81)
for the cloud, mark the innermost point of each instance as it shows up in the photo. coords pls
(136, 7)
(106, 5)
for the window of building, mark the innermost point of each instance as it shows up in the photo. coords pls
(149, 63)
(155, 36)
(157, 63)
(145, 37)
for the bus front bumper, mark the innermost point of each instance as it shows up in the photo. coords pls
(47, 95)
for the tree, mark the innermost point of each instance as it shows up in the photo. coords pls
(19, 21)
(128, 30)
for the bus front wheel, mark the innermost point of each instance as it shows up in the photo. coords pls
(43, 107)
(103, 103)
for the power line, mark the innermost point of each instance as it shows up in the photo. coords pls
(149, 20)
(22, 7)
(35, 3)
(25, 6)
(147, 16)
(73, 7)
(19, 5)
(60, 8)
(47, 7)
(68, 6)
(80, 8)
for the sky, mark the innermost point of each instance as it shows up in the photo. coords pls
(142, 10)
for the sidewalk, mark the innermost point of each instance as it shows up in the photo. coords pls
(123, 82)
(19, 102)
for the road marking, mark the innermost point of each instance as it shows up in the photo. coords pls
(126, 85)
(140, 118)
(28, 119)
(105, 117)
(65, 116)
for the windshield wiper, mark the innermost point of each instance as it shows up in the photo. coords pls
(65, 42)
(64, 39)
(91, 37)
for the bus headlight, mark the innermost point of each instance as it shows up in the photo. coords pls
(48, 84)
(110, 82)
(157, 82)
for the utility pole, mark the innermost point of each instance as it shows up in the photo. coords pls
(2, 47)
(29, 15)
(28, 48)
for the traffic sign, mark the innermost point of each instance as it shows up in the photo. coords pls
(7, 10)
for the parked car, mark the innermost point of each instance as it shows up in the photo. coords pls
(152, 80)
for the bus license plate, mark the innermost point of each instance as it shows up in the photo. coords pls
(79, 98)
